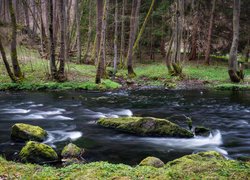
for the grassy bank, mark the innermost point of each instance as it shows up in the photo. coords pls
(196, 75)
(208, 165)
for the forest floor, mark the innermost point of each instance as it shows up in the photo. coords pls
(196, 76)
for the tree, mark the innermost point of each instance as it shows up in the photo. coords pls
(116, 37)
(60, 73)
(122, 52)
(16, 68)
(6, 63)
(102, 50)
(233, 69)
(208, 49)
(78, 31)
(53, 69)
(134, 20)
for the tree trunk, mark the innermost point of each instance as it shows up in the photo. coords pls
(99, 7)
(207, 55)
(143, 25)
(16, 67)
(6, 64)
(53, 69)
(89, 33)
(133, 28)
(233, 66)
(61, 76)
(78, 32)
(102, 51)
(116, 37)
(122, 52)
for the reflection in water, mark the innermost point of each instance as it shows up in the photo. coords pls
(72, 116)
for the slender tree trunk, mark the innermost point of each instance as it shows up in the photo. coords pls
(143, 25)
(116, 37)
(210, 30)
(167, 57)
(99, 7)
(61, 76)
(89, 33)
(101, 56)
(6, 64)
(122, 52)
(53, 69)
(16, 67)
(78, 32)
(133, 28)
(233, 66)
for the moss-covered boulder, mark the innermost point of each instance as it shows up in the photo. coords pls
(26, 132)
(152, 161)
(146, 126)
(201, 131)
(36, 152)
(72, 151)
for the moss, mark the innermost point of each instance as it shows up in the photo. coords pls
(71, 151)
(37, 153)
(145, 126)
(201, 131)
(231, 86)
(152, 161)
(205, 165)
(25, 132)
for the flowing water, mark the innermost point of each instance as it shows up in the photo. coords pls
(71, 117)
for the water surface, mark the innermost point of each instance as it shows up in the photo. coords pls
(71, 117)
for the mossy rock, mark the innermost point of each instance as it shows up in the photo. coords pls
(72, 151)
(36, 152)
(26, 132)
(201, 131)
(152, 161)
(146, 126)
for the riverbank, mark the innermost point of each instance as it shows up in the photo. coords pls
(208, 165)
(196, 75)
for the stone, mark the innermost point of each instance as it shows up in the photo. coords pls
(152, 161)
(26, 132)
(201, 131)
(39, 153)
(146, 126)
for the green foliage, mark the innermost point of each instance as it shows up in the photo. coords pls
(205, 165)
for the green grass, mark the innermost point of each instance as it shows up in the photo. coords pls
(80, 77)
(208, 165)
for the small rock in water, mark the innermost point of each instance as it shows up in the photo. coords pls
(201, 131)
(72, 154)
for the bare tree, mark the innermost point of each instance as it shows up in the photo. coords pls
(210, 30)
(16, 67)
(233, 69)
(78, 32)
(116, 37)
(133, 29)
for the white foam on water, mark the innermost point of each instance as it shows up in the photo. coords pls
(35, 105)
(56, 112)
(16, 111)
(59, 136)
(60, 117)
(125, 112)
(29, 117)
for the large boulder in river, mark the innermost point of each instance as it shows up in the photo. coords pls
(146, 126)
(152, 161)
(36, 152)
(26, 132)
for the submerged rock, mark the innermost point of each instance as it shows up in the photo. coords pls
(36, 152)
(201, 131)
(26, 132)
(152, 161)
(146, 126)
